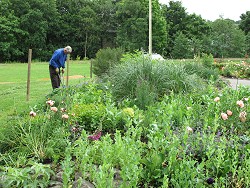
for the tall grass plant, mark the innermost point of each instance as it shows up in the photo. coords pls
(146, 81)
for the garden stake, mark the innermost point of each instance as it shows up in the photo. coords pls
(63, 81)
(61, 77)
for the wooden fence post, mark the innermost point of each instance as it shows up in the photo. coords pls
(67, 80)
(28, 80)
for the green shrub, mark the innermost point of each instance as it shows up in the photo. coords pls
(105, 60)
(204, 72)
(92, 117)
(89, 116)
(207, 60)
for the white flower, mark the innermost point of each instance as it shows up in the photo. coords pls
(216, 99)
(189, 129)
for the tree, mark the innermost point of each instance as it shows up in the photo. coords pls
(107, 22)
(132, 30)
(192, 26)
(176, 17)
(9, 32)
(182, 47)
(160, 29)
(196, 30)
(227, 39)
(245, 26)
(248, 43)
(245, 22)
(34, 18)
(85, 26)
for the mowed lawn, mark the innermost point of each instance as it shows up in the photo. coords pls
(13, 85)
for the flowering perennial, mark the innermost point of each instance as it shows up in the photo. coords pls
(54, 109)
(229, 113)
(216, 99)
(50, 102)
(96, 136)
(224, 116)
(65, 116)
(189, 129)
(243, 117)
(240, 103)
(32, 113)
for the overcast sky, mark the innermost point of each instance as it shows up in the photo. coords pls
(212, 9)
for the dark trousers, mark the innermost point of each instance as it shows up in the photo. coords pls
(54, 77)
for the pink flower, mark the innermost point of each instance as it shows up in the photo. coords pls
(50, 102)
(224, 116)
(74, 129)
(65, 116)
(32, 113)
(243, 117)
(216, 99)
(96, 136)
(229, 112)
(240, 103)
(63, 109)
(54, 109)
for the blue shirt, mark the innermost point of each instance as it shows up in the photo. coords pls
(58, 59)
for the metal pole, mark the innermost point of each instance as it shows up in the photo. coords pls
(28, 80)
(67, 81)
(150, 28)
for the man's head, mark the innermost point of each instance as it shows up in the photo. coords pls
(67, 50)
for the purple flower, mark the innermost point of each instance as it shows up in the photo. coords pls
(219, 133)
(210, 180)
(96, 136)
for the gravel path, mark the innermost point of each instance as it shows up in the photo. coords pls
(237, 82)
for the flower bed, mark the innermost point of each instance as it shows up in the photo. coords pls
(83, 135)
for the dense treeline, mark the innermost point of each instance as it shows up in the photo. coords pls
(90, 25)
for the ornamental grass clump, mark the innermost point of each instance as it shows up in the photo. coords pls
(146, 82)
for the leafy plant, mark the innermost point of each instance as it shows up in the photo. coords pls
(105, 60)
(207, 60)
(34, 175)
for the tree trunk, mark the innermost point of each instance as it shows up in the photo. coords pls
(85, 46)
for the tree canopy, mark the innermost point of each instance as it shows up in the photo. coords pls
(89, 26)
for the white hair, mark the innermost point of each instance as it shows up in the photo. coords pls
(68, 49)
